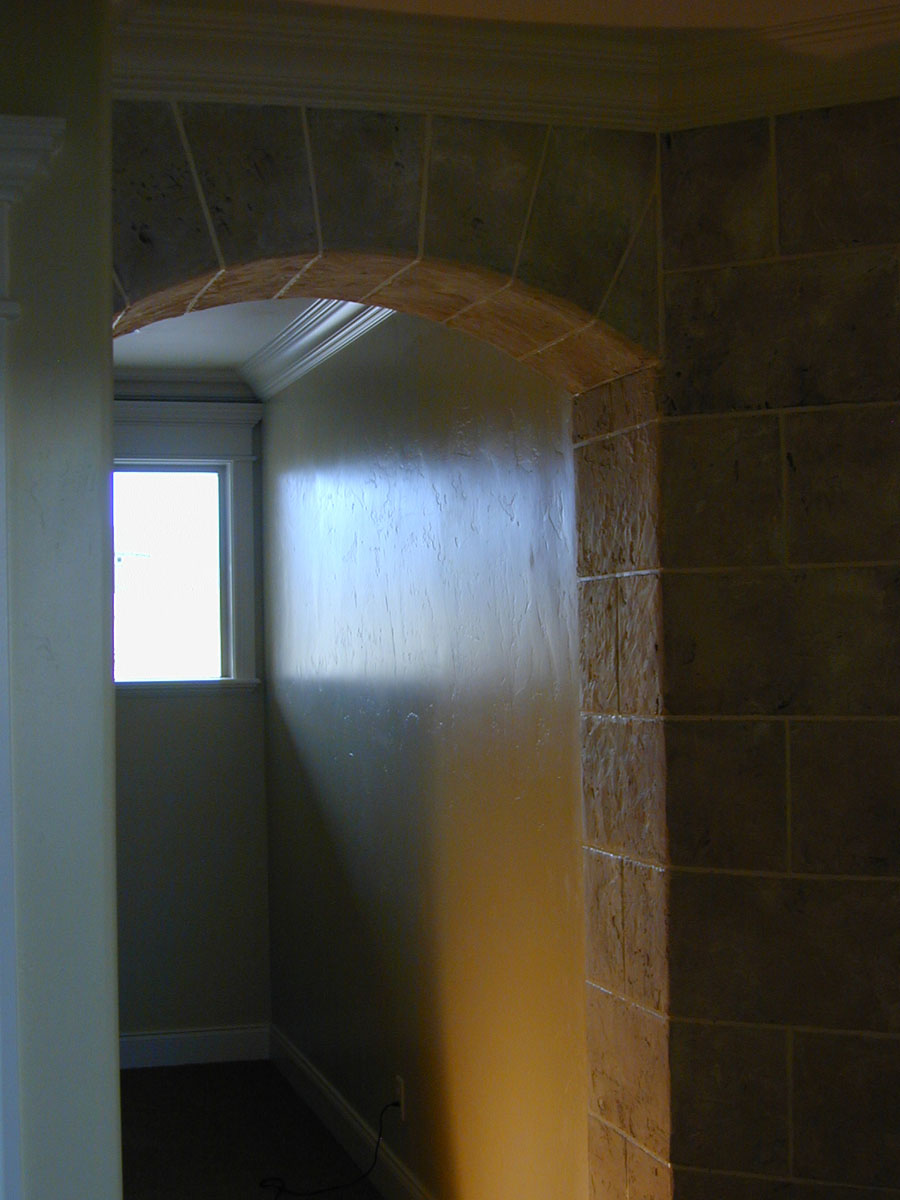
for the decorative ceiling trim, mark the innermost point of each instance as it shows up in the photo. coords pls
(323, 329)
(278, 52)
(27, 145)
(176, 383)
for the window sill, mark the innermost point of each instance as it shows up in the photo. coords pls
(182, 687)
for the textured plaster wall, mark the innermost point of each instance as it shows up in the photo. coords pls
(423, 768)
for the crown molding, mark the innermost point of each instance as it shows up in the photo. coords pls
(283, 53)
(175, 383)
(27, 145)
(323, 329)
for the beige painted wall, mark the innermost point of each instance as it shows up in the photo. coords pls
(423, 770)
(193, 914)
(58, 454)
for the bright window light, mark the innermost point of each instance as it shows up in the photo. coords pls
(168, 574)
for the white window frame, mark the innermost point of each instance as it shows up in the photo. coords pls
(217, 436)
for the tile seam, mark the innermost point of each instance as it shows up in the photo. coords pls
(198, 187)
(629, 1139)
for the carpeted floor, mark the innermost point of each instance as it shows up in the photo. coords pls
(214, 1132)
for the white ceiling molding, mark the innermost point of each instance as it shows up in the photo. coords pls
(324, 329)
(176, 383)
(27, 145)
(280, 52)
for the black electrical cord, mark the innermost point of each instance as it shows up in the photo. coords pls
(280, 1188)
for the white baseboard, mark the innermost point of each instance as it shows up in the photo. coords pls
(391, 1177)
(178, 1047)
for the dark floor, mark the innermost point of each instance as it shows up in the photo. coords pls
(214, 1132)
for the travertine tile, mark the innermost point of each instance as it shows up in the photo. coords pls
(845, 1109)
(437, 290)
(718, 200)
(847, 640)
(590, 356)
(632, 304)
(624, 786)
(344, 275)
(837, 170)
(172, 302)
(481, 177)
(729, 643)
(782, 334)
(725, 794)
(519, 321)
(251, 162)
(641, 648)
(254, 281)
(603, 920)
(729, 1097)
(648, 1178)
(159, 231)
(591, 195)
(606, 1151)
(845, 781)
(617, 498)
(646, 924)
(843, 483)
(368, 172)
(811, 952)
(720, 483)
(628, 1056)
(597, 621)
(614, 406)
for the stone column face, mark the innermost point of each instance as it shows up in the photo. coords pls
(780, 547)
(617, 447)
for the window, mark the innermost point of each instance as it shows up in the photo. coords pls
(183, 530)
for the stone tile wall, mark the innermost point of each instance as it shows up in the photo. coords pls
(779, 540)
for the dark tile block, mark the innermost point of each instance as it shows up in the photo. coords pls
(597, 620)
(624, 786)
(482, 174)
(729, 1097)
(159, 230)
(700, 1185)
(725, 784)
(790, 333)
(843, 485)
(368, 173)
(251, 162)
(717, 195)
(632, 304)
(721, 492)
(808, 952)
(728, 643)
(847, 641)
(845, 1109)
(837, 176)
(592, 193)
(617, 492)
(845, 797)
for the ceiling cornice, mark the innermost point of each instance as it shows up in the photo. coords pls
(649, 80)
(323, 329)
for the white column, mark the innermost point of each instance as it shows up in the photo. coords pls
(26, 147)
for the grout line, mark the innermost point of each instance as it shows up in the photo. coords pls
(789, 1040)
(562, 338)
(196, 299)
(117, 282)
(623, 260)
(629, 1139)
(749, 569)
(423, 196)
(207, 216)
(768, 260)
(789, 410)
(481, 300)
(773, 185)
(785, 480)
(809, 718)
(650, 1012)
(660, 232)
(313, 187)
(369, 297)
(867, 1190)
(788, 800)
(538, 176)
(285, 288)
(804, 1030)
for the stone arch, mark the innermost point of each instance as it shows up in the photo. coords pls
(216, 204)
